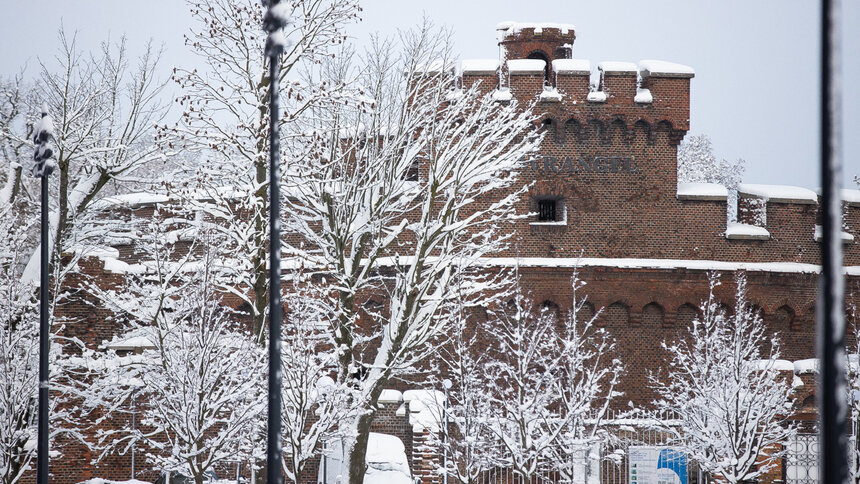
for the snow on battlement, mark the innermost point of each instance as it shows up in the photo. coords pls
(702, 191)
(779, 193)
(617, 68)
(658, 68)
(526, 66)
(538, 28)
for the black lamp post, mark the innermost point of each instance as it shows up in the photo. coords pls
(273, 23)
(832, 399)
(43, 166)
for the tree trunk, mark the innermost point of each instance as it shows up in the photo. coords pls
(358, 452)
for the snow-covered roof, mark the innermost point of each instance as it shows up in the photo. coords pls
(513, 27)
(779, 193)
(479, 66)
(526, 66)
(658, 68)
(571, 66)
(736, 231)
(702, 191)
(616, 67)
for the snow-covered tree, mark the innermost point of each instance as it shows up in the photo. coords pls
(550, 378)
(461, 359)
(104, 114)
(225, 119)
(397, 194)
(19, 360)
(587, 379)
(521, 382)
(722, 383)
(698, 164)
(313, 405)
(198, 381)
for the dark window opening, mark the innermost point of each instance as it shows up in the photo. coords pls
(413, 171)
(547, 210)
(540, 55)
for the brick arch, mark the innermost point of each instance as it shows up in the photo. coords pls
(616, 314)
(685, 315)
(585, 313)
(596, 130)
(653, 315)
(572, 129)
(617, 131)
(642, 131)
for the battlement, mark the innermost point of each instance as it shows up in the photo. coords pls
(649, 93)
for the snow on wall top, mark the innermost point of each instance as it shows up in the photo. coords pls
(618, 67)
(571, 66)
(779, 193)
(851, 196)
(658, 68)
(390, 396)
(526, 66)
(746, 232)
(515, 27)
(702, 191)
(130, 200)
(479, 66)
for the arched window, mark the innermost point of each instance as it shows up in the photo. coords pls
(540, 55)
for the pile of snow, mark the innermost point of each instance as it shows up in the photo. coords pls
(736, 231)
(426, 408)
(618, 67)
(550, 94)
(479, 66)
(596, 97)
(660, 68)
(702, 191)
(386, 462)
(643, 96)
(779, 193)
(131, 343)
(819, 234)
(526, 66)
(571, 66)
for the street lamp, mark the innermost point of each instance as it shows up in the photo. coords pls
(43, 166)
(274, 21)
(446, 384)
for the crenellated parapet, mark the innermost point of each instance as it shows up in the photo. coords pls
(536, 65)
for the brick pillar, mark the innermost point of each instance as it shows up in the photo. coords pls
(426, 457)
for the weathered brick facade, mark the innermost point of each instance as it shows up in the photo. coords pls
(609, 162)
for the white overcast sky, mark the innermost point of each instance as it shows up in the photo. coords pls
(755, 92)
